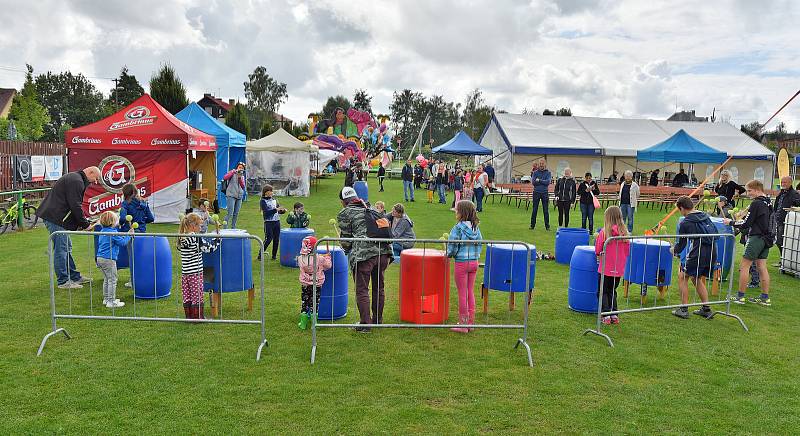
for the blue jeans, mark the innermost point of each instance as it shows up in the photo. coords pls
(478, 192)
(587, 212)
(63, 262)
(397, 248)
(627, 215)
(442, 196)
(234, 204)
(408, 189)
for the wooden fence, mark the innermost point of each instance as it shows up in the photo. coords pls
(7, 151)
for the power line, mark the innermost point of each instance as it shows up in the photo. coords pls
(16, 70)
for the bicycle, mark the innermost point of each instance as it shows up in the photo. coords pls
(8, 217)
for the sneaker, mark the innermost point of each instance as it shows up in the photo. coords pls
(459, 330)
(681, 312)
(705, 313)
(737, 300)
(532, 227)
(114, 304)
(614, 319)
(776, 265)
(606, 320)
(83, 280)
(362, 329)
(761, 301)
(70, 285)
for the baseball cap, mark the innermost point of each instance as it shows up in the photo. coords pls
(347, 192)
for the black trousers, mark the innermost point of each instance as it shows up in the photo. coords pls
(542, 197)
(609, 292)
(563, 212)
(272, 234)
(370, 270)
(307, 296)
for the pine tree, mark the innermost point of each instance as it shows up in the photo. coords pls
(166, 88)
(127, 89)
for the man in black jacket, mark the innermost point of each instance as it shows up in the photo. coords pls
(787, 198)
(61, 210)
(407, 174)
(759, 239)
(680, 179)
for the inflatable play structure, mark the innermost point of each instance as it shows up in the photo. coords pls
(352, 133)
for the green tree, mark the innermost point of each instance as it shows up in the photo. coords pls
(407, 113)
(564, 112)
(548, 112)
(167, 89)
(264, 95)
(69, 99)
(29, 116)
(752, 130)
(127, 89)
(238, 120)
(4, 122)
(362, 100)
(332, 103)
(300, 129)
(444, 122)
(267, 127)
(476, 114)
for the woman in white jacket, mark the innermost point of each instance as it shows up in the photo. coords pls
(628, 199)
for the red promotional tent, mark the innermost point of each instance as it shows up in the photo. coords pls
(145, 145)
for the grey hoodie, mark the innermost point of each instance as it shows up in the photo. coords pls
(403, 229)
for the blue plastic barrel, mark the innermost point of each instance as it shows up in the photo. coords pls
(231, 264)
(333, 294)
(291, 241)
(504, 267)
(566, 241)
(649, 262)
(362, 191)
(583, 280)
(151, 267)
(725, 246)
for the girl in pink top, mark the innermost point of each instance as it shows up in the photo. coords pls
(308, 275)
(612, 263)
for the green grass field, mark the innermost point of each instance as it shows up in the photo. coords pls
(665, 375)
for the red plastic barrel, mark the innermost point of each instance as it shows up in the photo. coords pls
(424, 286)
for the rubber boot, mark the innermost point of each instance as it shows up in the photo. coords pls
(303, 324)
(471, 319)
(312, 319)
(201, 311)
(187, 311)
(464, 320)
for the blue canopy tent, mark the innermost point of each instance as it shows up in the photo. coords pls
(462, 144)
(682, 148)
(230, 143)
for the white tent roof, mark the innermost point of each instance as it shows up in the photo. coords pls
(280, 141)
(617, 136)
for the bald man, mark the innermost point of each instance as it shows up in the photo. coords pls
(788, 197)
(61, 210)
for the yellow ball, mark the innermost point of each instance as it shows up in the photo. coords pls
(128, 218)
(331, 221)
(135, 225)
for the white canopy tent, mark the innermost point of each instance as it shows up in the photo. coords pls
(282, 161)
(603, 145)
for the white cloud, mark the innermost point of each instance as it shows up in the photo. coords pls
(599, 57)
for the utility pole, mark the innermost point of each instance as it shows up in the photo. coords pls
(116, 91)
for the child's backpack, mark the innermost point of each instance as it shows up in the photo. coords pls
(377, 224)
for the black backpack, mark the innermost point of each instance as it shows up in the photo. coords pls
(377, 224)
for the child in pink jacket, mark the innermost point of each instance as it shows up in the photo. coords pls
(616, 255)
(308, 275)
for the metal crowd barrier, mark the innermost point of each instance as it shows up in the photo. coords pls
(432, 244)
(715, 275)
(139, 307)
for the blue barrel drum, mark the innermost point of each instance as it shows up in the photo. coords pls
(649, 263)
(507, 268)
(566, 241)
(291, 241)
(333, 294)
(362, 190)
(583, 280)
(151, 267)
(230, 265)
(726, 246)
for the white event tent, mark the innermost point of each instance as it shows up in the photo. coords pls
(604, 145)
(282, 161)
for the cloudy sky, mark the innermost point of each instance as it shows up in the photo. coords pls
(601, 58)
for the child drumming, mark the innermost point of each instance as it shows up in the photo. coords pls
(298, 219)
(202, 210)
(308, 275)
(107, 252)
(466, 260)
(133, 205)
(700, 259)
(191, 249)
(613, 266)
(272, 223)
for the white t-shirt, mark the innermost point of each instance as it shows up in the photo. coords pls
(481, 181)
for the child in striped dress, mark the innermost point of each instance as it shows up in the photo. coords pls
(191, 249)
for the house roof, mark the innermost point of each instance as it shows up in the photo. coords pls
(6, 98)
(218, 101)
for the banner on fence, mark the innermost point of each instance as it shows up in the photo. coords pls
(37, 168)
(22, 168)
(54, 167)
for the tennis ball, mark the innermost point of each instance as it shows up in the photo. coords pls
(225, 223)
(181, 216)
(128, 218)
(206, 203)
(215, 217)
(445, 235)
(135, 225)
(331, 221)
(707, 193)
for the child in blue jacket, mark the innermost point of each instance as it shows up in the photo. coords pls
(133, 205)
(108, 247)
(466, 260)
